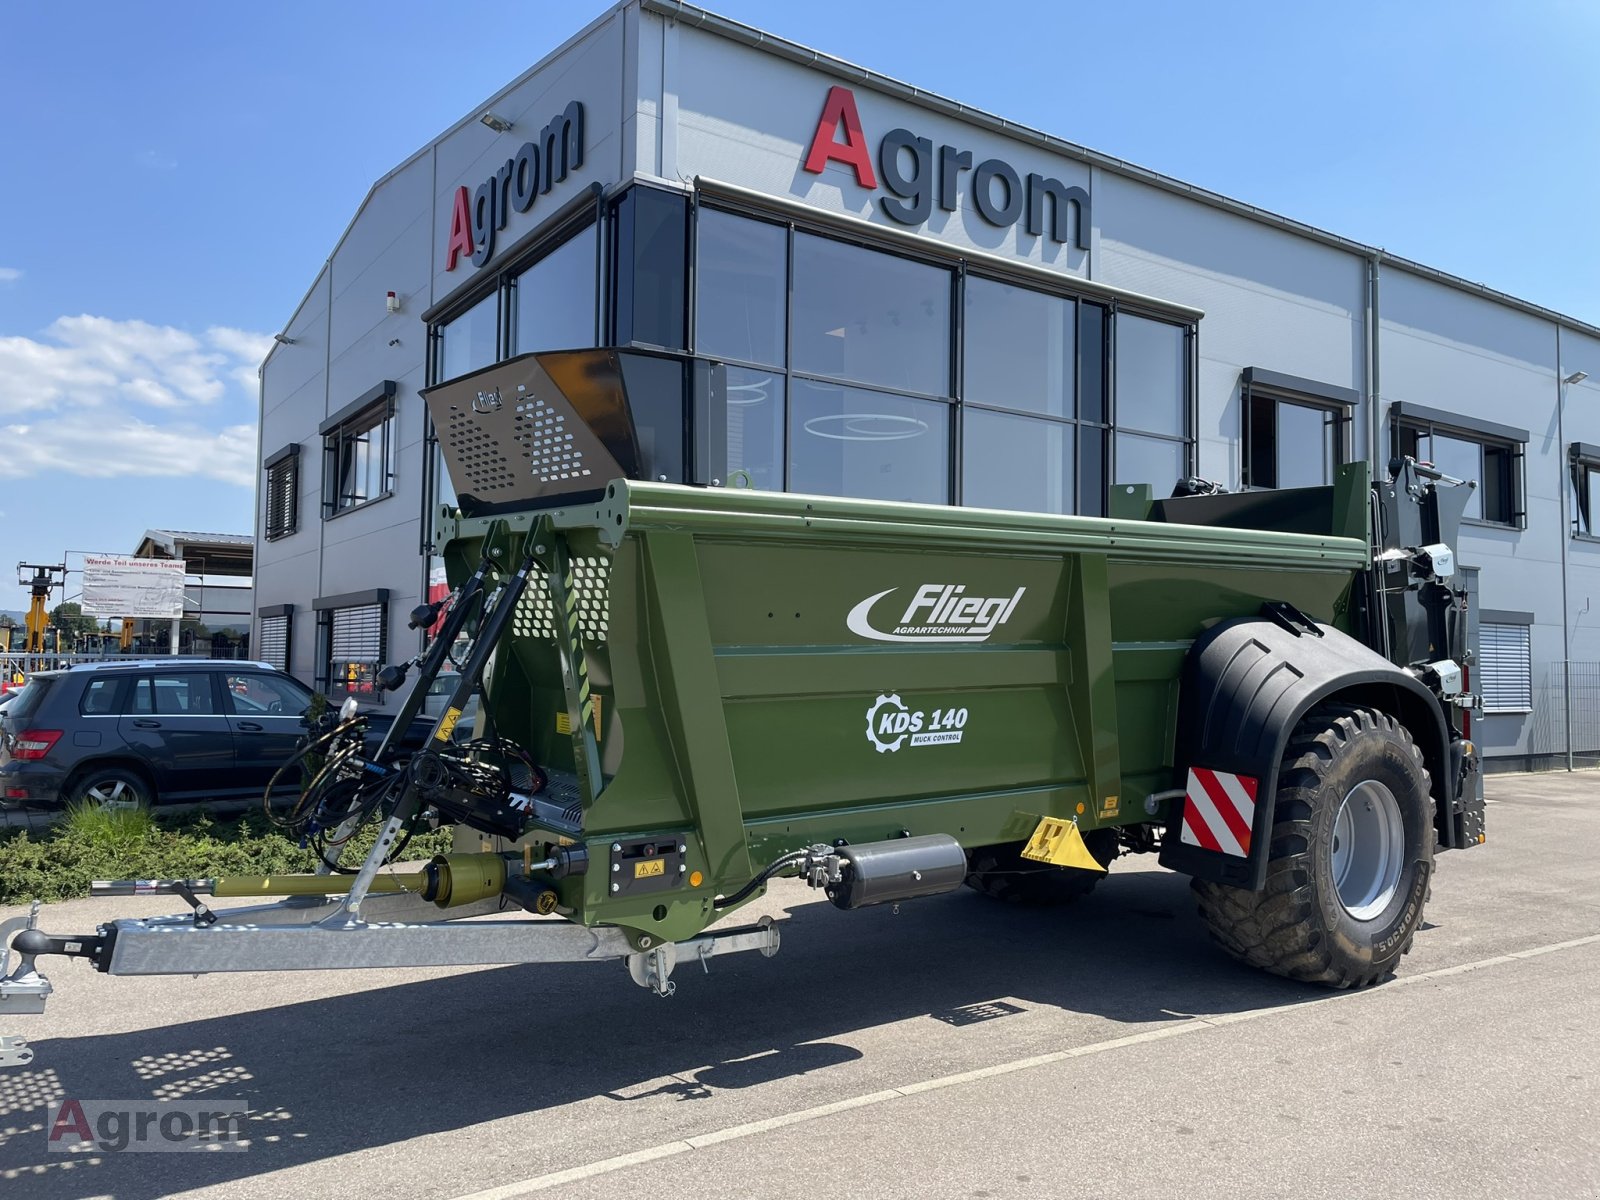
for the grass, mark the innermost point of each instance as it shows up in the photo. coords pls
(123, 844)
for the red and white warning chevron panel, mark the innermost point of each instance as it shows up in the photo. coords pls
(1219, 811)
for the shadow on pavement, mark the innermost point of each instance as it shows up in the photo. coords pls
(381, 1066)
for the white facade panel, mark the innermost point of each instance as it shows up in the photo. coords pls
(587, 71)
(747, 118)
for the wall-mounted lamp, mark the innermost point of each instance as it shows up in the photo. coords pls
(496, 122)
(283, 339)
(393, 301)
(1576, 377)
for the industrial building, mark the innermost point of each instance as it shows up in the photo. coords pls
(906, 298)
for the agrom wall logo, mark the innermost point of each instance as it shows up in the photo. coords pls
(475, 217)
(921, 175)
(939, 612)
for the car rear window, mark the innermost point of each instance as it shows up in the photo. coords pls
(99, 699)
(27, 703)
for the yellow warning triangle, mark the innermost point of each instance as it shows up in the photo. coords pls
(1058, 842)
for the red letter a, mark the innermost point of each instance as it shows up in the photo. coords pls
(840, 107)
(70, 1119)
(460, 230)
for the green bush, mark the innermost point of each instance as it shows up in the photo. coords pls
(123, 844)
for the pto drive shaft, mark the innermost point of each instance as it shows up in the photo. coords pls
(448, 881)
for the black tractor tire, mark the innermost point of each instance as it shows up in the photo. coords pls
(1001, 873)
(112, 787)
(1297, 925)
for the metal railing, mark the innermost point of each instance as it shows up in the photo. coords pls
(1566, 713)
(16, 666)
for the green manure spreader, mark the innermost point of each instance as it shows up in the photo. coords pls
(666, 689)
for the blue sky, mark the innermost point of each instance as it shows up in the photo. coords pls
(176, 173)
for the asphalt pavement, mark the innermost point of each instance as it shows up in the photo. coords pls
(955, 1048)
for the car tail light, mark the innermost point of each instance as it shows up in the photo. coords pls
(32, 744)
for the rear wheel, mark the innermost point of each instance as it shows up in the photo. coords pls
(113, 788)
(1351, 857)
(1001, 873)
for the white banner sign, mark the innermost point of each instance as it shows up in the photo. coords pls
(114, 586)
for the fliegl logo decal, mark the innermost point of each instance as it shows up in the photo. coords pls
(939, 612)
(890, 724)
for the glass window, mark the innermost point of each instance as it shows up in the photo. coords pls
(741, 288)
(1290, 444)
(846, 441)
(1020, 348)
(1493, 466)
(1585, 497)
(870, 317)
(173, 695)
(1155, 461)
(1091, 363)
(355, 640)
(554, 299)
(656, 396)
(99, 699)
(651, 266)
(1016, 462)
(251, 692)
(470, 341)
(1150, 377)
(361, 459)
(753, 403)
(1461, 458)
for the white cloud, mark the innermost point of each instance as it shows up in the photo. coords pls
(89, 445)
(10, 274)
(96, 362)
(99, 397)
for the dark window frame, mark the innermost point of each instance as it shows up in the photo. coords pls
(1583, 464)
(327, 609)
(282, 516)
(1409, 421)
(1257, 384)
(374, 410)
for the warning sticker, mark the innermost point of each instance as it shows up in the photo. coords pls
(447, 724)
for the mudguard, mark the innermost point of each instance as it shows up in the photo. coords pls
(1245, 686)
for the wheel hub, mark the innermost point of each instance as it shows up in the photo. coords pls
(1368, 850)
(113, 795)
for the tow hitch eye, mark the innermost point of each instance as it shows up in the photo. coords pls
(22, 989)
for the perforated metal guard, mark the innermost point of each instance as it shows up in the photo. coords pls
(511, 436)
(535, 616)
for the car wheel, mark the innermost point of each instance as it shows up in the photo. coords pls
(112, 788)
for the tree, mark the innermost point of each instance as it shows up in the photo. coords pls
(68, 618)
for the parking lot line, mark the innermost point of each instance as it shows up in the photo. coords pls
(1188, 1025)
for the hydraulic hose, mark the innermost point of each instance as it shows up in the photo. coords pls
(793, 859)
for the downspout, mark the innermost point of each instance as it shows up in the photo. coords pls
(1566, 537)
(1374, 364)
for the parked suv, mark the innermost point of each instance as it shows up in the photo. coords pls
(133, 734)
